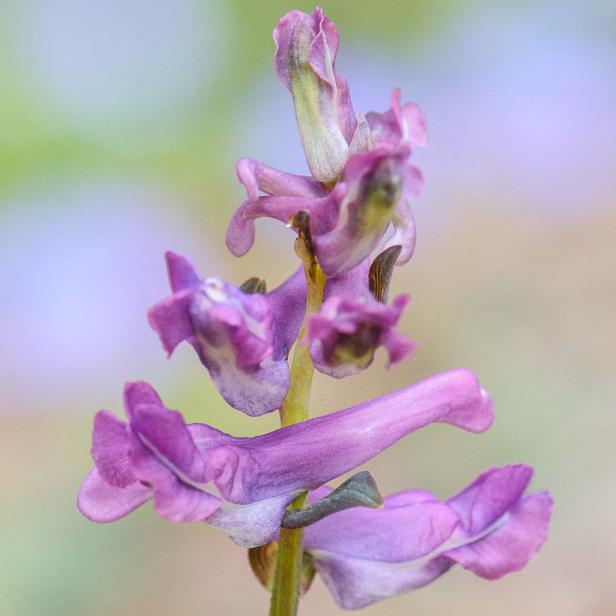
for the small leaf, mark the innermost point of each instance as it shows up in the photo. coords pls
(381, 272)
(262, 561)
(358, 491)
(254, 285)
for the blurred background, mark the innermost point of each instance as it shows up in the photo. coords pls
(120, 123)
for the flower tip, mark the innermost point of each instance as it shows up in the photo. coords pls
(486, 412)
(240, 233)
(137, 393)
(403, 350)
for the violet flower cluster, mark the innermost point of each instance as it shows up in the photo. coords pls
(358, 224)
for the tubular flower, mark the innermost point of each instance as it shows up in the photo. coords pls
(352, 324)
(368, 210)
(491, 528)
(306, 47)
(242, 339)
(157, 456)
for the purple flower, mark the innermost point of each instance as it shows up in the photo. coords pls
(375, 183)
(368, 211)
(242, 339)
(491, 528)
(306, 47)
(156, 456)
(352, 324)
(399, 125)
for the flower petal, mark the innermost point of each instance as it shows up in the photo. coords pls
(253, 524)
(176, 498)
(164, 433)
(110, 450)
(182, 274)
(253, 391)
(355, 583)
(323, 213)
(170, 319)
(490, 496)
(394, 533)
(288, 305)
(511, 546)
(259, 178)
(137, 393)
(310, 454)
(100, 501)
(400, 124)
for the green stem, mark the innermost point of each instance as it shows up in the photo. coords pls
(294, 409)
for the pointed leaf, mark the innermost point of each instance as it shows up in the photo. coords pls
(358, 491)
(381, 272)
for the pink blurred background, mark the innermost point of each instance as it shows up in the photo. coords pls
(120, 123)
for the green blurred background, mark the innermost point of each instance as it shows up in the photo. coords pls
(120, 123)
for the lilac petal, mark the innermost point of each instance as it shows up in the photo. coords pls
(254, 391)
(170, 319)
(300, 456)
(343, 249)
(259, 178)
(205, 437)
(324, 46)
(362, 137)
(323, 213)
(352, 283)
(346, 115)
(404, 124)
(408, 526)
(403, 221)
(398, 347)
(355, 583)
(490, 496)
(110, 449)
(415, 122)
(100, 501)
(164, 433)
(413, 180)
(322, 55)
(253, 524)
(137, 393)
(283, 37)
(404, 232)
(511, 546)
(176, 497)
(182, 274)
(288, 304)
